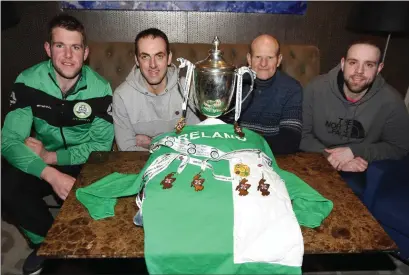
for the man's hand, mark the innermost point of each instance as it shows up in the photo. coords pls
(143, 141)
(356, 165)
(37, 147)
(60, 182)
(339, 156)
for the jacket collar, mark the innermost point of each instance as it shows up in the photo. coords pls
(79, 85)
(266, 83)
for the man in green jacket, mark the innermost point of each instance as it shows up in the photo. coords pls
(68, 105)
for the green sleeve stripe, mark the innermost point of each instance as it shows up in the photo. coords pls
(36, 167)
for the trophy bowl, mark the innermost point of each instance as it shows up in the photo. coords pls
(215, 82)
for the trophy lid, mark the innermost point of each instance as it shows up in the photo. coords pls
(215, 59)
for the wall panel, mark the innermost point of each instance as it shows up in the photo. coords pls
(323, 25)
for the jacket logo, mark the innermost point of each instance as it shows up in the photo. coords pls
(44, 106)
(82, 110)
(109, 110)
(346, 128)
(13, 98)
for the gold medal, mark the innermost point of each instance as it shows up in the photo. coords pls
(237, 129)
(242, 170)
(180, 125)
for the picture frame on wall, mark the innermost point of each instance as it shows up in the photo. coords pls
(266, 7)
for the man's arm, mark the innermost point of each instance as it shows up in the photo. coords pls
(288, 139)
(286, 142)
(309, 143)
(101, 135)
(124, 134)
(394, 142)
(16, 129)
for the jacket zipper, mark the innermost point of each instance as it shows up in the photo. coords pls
(62, 113)
(64, 97)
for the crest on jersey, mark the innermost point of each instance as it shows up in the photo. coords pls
(82, 110)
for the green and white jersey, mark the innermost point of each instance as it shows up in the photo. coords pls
(215, 203)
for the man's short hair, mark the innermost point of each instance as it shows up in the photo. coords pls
(365, 42)
(153, 32)
(278, 42)
(67, 22)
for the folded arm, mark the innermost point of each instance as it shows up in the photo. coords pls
(100, 134)
(16, 129)
(288, 139)
(394, 143)
(125, 136)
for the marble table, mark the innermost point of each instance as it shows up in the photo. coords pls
(350, 228)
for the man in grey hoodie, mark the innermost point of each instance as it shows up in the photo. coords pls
(352, 115)
(149, 101)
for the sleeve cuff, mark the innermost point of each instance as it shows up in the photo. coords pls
(36, 167)
(63, 157)
(357, 149)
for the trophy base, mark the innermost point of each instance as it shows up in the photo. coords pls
(211, 115)
(213, 108)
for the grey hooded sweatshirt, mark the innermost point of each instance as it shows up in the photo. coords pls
(138, 111)
(375, 128)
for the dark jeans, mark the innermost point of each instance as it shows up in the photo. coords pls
(22, 197)
(356, 181)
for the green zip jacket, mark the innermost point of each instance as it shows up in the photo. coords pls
(72, 124)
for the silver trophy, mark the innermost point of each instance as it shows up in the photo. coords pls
(215, 82)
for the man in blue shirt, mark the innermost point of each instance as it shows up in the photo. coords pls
(274, 109)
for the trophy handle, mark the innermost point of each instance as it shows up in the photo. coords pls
(239, 75)
(186, 89)
(194, 95)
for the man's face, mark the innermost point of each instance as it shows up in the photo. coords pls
(67, 52)
(360, 67)
(264, 59)
(153, 59)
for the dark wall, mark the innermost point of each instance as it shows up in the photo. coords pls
(323, 25)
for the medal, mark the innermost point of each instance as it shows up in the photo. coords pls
(237, 130)
(263, 187)
(180, 124)
(242, 170)
(243, 187)
(168, 180)
(197, 183)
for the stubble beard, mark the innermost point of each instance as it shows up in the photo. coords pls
(357, 89)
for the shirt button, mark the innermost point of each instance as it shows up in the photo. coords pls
(177, 113)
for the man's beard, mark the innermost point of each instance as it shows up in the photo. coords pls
(357, 89)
